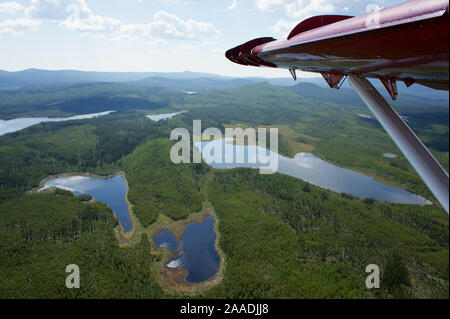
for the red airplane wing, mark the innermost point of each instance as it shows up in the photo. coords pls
(408, 42)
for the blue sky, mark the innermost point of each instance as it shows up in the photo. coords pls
(151, 35)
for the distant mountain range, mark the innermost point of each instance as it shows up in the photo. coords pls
(197, 82)
(39, 78)
(193, 85)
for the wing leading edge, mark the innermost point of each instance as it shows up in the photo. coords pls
(407, 42)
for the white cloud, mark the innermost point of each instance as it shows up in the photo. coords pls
(166, 25)
(18, 26)
(75, 15)
(294, 9)
(282, 28)
(270, 5)
(297, 9)
(233, 5)
(11, 7)
(300, 10)
(92, 23)
(57, 9)
(71, 14)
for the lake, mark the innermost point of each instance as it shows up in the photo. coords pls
(110, 191)
(160, 117)
(309, 168)
(11, 126)
(198, 254)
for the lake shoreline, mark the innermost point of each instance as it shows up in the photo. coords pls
(311, 169)
(15, 125)
(121, 234)
(173, 280)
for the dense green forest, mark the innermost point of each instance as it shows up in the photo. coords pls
(282, 237)
(319, 242)
(335, 130)
(157, 185)
(93, 146)
(42, 234)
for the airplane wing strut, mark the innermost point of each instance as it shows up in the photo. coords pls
(428, 168)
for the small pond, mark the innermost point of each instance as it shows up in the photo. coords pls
(196, 251)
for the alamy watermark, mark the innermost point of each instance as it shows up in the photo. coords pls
(373, 280)
(73, 280)
(229, 150)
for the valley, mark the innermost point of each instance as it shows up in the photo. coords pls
(277, 236)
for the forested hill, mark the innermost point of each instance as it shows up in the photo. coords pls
(189, 81)
(305, 242)
(48, 78)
